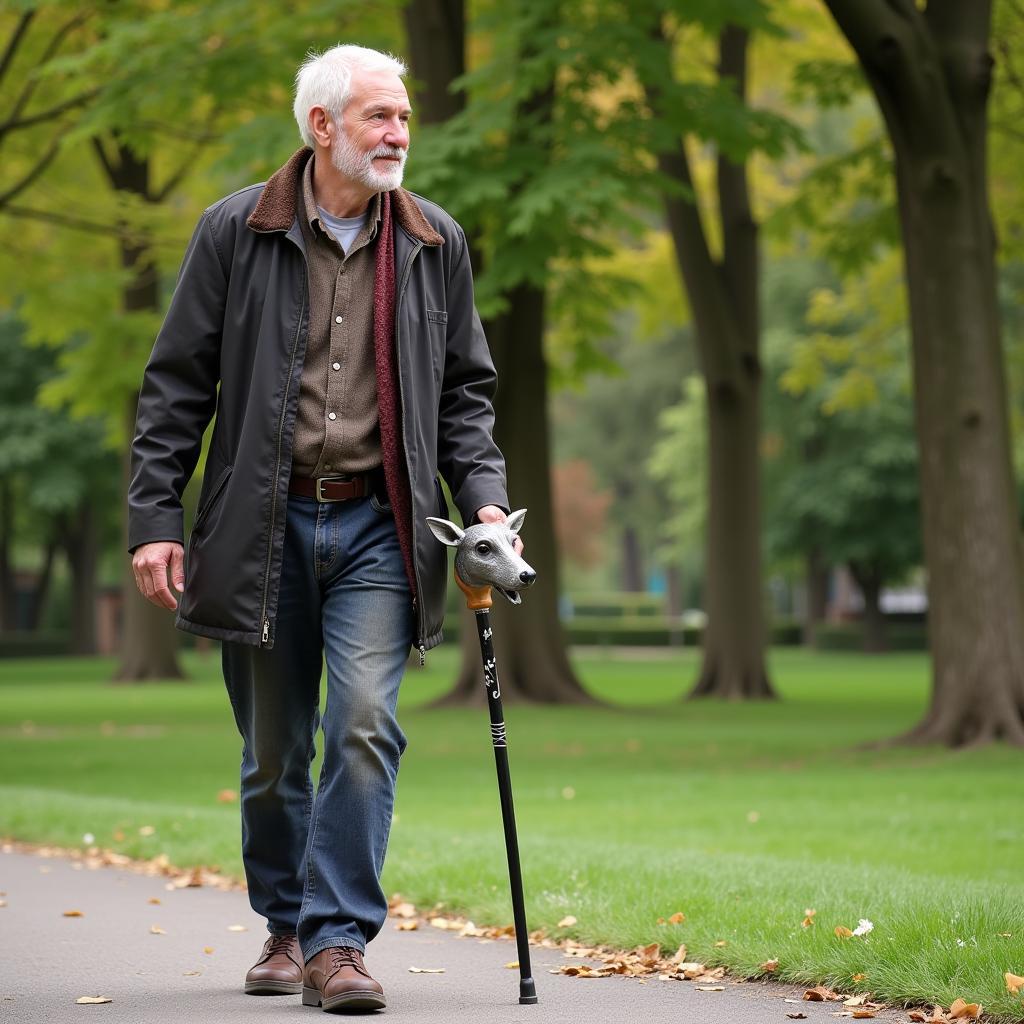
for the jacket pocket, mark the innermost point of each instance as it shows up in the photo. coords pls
(215, 493)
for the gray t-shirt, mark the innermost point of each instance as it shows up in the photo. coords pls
(344, 229)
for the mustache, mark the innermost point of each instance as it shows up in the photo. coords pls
(392, 151)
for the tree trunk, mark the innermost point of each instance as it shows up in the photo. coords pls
(724, 300)
(42, 590)
(931, 73)
(817, 594)
(149, 642)
(869, 582)
(8, 613)
(632, 562)
(82, 550)
(436, 32)
(529, 645)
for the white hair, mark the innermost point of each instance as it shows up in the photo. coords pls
(325, 80)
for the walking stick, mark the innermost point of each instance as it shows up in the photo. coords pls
(484, 559)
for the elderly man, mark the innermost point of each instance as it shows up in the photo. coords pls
(327, 317)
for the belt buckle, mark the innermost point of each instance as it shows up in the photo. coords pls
(320, 480)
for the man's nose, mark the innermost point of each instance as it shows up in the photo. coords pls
(397, 134)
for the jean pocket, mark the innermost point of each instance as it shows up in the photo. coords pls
(379, 505)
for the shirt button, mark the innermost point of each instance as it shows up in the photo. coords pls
(336, 366)
(337, 319)
(332, 416)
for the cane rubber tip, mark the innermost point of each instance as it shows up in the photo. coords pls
(527, 991)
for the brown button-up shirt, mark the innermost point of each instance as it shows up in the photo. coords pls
(337, 428)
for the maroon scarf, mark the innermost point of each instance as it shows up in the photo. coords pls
(388, 396)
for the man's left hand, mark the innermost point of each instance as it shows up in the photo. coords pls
(493, 514)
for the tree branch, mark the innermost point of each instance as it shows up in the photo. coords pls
(32, 174)
(54, 45)
(187, 164)
(15, 41)
(111, 170)
(12, 124)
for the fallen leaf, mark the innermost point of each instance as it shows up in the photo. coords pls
(770, 965)
(512, 965)
(237, 928)
(444, 922)
(680, 954)
(73, 913)
(917, 1015)
(1005, 935)
(709, 988)
(1013, 982)
(191, 974)
(797, 1016)
(690, 971)
(960, 1008)
(407, 926)
(858, 977)
(863, 1013)
(677, 918)
(843, 932)
(426, 970)
(721, 943)
(207, 949)
(819, 993)
(227, 796)
(118, 836)
(94, 999)
(567, 922)
(402, 910)
(153, 899)
(146, 830)
(855, 1000)
(808, 920)
(156, 930)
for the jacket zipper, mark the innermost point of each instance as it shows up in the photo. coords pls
(265, 639)
(417, 606)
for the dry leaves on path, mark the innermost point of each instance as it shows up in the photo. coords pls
(820, 994)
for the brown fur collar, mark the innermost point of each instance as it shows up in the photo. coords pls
(275, 210)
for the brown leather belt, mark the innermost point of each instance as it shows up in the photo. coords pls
(340, 487)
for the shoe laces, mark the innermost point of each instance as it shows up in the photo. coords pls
(347, 956)
(279, 944)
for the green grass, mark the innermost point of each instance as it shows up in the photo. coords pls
(740, 816)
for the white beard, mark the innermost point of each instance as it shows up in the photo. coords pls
(358, 165)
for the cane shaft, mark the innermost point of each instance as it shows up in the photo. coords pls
(500, 742)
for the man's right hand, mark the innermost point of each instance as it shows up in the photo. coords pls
(150, 564)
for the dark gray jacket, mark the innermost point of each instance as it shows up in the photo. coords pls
(233, 343)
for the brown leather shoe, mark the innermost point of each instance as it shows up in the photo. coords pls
(337, 979)
(278, 972)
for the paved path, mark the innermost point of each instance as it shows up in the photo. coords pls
(47, 961)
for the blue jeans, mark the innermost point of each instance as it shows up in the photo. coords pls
(313, 864)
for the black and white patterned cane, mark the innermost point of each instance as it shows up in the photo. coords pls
(527, 988)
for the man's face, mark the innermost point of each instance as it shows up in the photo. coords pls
(373, 142)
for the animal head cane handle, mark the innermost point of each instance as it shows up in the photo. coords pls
(485, 558)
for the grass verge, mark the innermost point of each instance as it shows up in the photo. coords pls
(742, 817)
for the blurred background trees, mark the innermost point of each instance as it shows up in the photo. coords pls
(750, 275)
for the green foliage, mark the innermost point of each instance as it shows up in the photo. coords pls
(678, 461)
